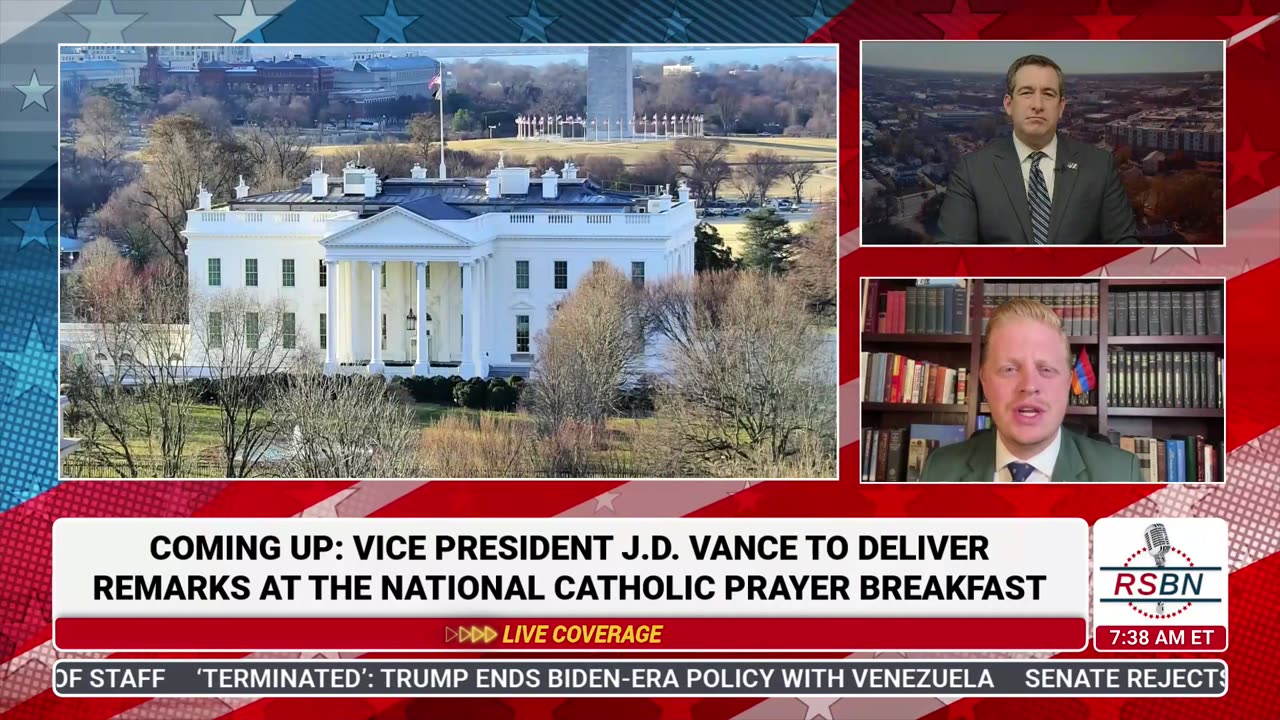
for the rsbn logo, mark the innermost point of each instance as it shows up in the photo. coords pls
(1167, 587)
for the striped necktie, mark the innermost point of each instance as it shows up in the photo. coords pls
(1038, 200)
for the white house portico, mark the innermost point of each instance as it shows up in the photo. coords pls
(418, 276)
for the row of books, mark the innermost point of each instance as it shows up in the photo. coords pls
(893, 378)
(1178, 459)
(1076, 303)
(1164, 378)
(918, 310)
(899, 454)
(1165, 312)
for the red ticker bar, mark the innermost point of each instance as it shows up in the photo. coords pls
(707, 634)
(1206, 638)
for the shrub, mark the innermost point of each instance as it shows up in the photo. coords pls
(502, 397)
(472, 394)
(472, 447)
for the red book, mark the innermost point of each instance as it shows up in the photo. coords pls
(872, 310)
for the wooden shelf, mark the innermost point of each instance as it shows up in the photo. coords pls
(1166, 340)
(985, 409)
(1083, 339)
(916, 338)
(1165, 412)
(913, 407)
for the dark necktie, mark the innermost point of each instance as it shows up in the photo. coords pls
(1020, 471)
(1038, 199)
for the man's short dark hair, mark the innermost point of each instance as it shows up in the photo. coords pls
(1033, 60)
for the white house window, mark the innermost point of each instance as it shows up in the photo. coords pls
(215, 329)
(324, 331)
(251, 331)
(251, 272)
(562, 275)
(215, 272)
(324, 274)
(290, 331)
(384, 329)
(522, 333)
(427, 272)
(522, 274)
(637, 273)
(287, 274)
(384, 274)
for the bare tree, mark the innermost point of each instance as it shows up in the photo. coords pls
(182, 154)
(798, 174)
(751, 381)
(249, 346)
(424, 133)
(813, 262)
(126, 373)
(708, 164)
(743, 185)
(280, 155)
(389, 159)
(592, 350)
(763, 168)
(102, 132)
(728, 102)
(346, 427)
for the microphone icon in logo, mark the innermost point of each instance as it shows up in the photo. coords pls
(1157, 538)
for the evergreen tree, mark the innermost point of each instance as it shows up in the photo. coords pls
(766, 242)
(709, 250)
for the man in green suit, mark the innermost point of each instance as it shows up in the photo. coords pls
(1026, 379)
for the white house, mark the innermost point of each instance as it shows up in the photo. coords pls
(429, 276)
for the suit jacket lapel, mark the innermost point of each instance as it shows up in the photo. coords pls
(1006, 161)
(1062, 186)
(1069, 466)
(982, 460)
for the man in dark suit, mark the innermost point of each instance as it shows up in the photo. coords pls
(1038, 186)
(1026, 380)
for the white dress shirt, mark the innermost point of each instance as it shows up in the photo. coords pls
(1047, 164)
(1042, 462)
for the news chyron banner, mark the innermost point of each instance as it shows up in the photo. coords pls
(1160, 584)
(775, 584)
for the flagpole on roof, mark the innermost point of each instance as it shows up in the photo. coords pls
(440, 92)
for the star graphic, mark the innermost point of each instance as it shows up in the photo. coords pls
(248, 24)
(1103, 272)
(1246, 161)
(1244, 22)
(34, 229)
(1159, 252)
(328, 508)
(34, 367)
(33, 92)
(533, 24)
(677, 25)
(818, 707)
(960, 23)
(1102, 24)
(105, 26)
(391, 23)
(813, 22)
(605, 501)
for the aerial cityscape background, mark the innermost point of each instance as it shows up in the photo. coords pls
(1158, 106)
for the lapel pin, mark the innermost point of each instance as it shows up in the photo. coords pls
(1071, 166)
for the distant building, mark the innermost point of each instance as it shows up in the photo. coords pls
(395, 75)
(1153, 162)
(1194, 132)
(678, 70)
(951, 119)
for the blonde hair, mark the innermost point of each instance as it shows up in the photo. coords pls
(1021, 308)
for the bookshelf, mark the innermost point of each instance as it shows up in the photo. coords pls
(1107, 417)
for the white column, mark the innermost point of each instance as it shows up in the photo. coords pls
(468, 368)
(482, 319)
(375, 324)
(331, 317)
(422, 364)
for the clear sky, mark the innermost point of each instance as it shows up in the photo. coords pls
(755, 54)
(1081, 57)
